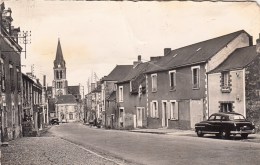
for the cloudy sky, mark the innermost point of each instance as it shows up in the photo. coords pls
(96, 36)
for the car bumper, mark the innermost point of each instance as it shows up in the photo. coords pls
(243, 131)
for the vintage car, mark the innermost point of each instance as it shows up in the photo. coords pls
(225, 124)
(54, 121)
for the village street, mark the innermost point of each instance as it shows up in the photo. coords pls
(143, 148)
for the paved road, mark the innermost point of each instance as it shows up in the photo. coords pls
(153, 149)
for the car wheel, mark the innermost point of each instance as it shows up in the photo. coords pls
(218, 135)
(244, 135)
(199, 133)
(225, 134)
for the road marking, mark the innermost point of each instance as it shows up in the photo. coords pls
(92, 152)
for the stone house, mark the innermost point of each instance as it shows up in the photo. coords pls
(177, 91)
(67, 109)
(32, 107)
(131, 97)
(235, 84)
(108, 94)
(10, 77)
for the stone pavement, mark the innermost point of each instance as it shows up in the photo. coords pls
(49, 151)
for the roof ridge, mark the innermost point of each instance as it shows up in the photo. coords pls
(240, 31)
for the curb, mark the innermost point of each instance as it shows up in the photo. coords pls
(150, 132)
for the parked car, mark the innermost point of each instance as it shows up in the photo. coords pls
(225, 124)
(54, 121)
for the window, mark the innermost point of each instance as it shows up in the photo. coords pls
(18, 77)
(195, 77)
(12, 77)
(211, 118)
(174, 110)
(121, 99)
(226, 107)
(225, 82)
(71, 116)
(60, 75)
(154, 109)
(57, 74)
(172, 76)
(154, 82)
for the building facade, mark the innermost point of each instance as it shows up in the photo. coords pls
(10, 78)
(108, 95)
(234, 85)
(177, 92)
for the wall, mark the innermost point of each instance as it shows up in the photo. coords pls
(130, 104)
(67, 109)
(11, 106)
(236, 95)
(182, 92)
(252, 81)
(241, 41)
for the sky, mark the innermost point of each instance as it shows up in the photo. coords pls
(96, 36)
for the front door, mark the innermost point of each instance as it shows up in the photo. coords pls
(139, 116)
(164, 114)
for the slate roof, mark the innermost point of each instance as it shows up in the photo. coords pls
(112, 96)
(136, 71)
(118, 73)
(239, 59)
(97, 89)
(74, 90)
(195, 53)
(66, 99)
(59, 57)
(49, 88)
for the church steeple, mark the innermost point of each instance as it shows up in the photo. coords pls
(59, 60)
(59, 83)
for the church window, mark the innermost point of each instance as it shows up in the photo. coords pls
(60, 74)
(57, 74)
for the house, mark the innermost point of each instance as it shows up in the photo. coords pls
(32, 109)
(177, 91)
(234, 86)
(131, 96)
(108, 94)
(67, 108)
(10, 77)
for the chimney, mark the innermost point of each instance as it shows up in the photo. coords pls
(139, 60)
(258, 45)
(44, 81)
(167, 51)
(154, 59)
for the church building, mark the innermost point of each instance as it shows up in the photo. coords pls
(64, 101)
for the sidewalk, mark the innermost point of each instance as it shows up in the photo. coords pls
(165, 131)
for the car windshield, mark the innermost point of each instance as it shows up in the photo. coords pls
(236, 117)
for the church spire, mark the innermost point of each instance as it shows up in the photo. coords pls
(59, 60)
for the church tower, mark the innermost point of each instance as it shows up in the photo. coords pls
(59, 84)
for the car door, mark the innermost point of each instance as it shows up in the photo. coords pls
(214, 124)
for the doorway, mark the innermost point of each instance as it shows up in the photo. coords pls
(164, 114)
